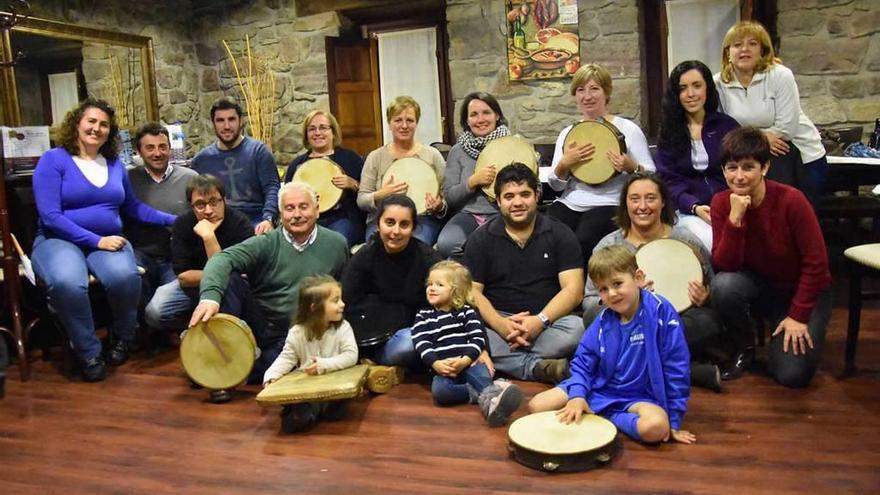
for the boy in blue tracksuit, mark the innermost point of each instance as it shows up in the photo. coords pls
(633, 364)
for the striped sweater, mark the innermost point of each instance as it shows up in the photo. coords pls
(441, 335)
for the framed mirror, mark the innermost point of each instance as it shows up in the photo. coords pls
(64, 63)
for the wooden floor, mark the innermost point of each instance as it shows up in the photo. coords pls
(143, 430)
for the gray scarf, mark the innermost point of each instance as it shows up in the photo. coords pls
(473, 145)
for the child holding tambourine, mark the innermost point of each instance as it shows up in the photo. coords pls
(633, 364)
(450, 337)
(320, 341)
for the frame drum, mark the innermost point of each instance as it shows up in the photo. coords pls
(541, 442)
(502, 152)
(301, 387)
(218, 354)
(604, 136)
(671, 264)
(420, 178)
(319, 173)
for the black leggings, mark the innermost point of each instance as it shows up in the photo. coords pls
(589, 226)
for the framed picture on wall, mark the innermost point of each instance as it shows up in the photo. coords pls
(542, 39)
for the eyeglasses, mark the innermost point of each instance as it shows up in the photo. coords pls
(320, 128)
(213, 203)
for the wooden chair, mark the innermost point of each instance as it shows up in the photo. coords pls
(13, 291)
(862, 261)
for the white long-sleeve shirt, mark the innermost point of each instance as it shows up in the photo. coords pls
(772, 102)
(335, 350)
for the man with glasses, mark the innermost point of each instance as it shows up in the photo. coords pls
(197, 235)
(244, 165)
(162, 186)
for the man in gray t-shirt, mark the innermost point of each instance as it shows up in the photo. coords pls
(162, 186)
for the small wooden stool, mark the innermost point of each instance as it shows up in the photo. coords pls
(862, 261)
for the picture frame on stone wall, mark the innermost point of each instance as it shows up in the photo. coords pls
(542, 39)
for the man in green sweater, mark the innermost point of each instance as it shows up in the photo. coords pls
(274, 263)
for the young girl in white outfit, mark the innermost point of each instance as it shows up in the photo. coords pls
(320, 341)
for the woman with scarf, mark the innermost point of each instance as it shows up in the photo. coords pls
(481, 121)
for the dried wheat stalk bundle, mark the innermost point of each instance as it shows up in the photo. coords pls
(257, 88)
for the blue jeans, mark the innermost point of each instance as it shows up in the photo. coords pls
(156, 274)
(397, 351)
(738, 295)
(559, 340)
(449, 391)
(172, 305)
(450, 243)
(64, 268)
(427, 230)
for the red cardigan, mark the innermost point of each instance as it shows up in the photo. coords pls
(779, 240)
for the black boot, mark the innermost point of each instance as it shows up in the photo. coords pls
(118, 353)
(706, 376)
(94, 370)
(742, 361)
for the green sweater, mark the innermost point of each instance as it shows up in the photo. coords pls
(274, 269)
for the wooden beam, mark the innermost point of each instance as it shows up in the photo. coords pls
(311, 7)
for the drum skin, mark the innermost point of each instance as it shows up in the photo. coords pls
(671, 264)
(419, 176)
(300, 387)
(218, 354)
(541, 442)
(319, 173)
(604, 136)
(502, 152)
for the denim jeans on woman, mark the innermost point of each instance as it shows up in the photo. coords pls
(64, 269)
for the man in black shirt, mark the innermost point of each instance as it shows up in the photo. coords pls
(196, 236)
(528, 277)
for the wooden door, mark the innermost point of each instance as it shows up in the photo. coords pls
(353, 84)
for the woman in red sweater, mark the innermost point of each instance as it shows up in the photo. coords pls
(772, 261)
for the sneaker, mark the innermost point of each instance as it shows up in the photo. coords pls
(380, 379)
(499, 402)
(551, 371)
(220, 396)
(94, 370)
(706, 376)
(118, 353)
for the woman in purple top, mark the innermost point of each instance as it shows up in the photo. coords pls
(689, 147)
(80, 188)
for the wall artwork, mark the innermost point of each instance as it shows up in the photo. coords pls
(542, 39)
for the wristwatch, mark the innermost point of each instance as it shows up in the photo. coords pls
(694, 208)
(544, 320)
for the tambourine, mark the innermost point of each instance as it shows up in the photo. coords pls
(604, 137)
(502, 152)
(541, 442)
(319, 173)
(420, 178)
(220, 353)
(301, 387)
(671, 264)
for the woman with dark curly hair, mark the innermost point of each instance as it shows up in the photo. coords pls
(689, 147)
(80, 188)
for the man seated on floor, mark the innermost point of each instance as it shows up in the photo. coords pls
(162, 186)
(197, 235)
(274, 263)
(528, 277)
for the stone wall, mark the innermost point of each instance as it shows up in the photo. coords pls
(833, 47)
(609, 35)
(295, 49)
(98, 72)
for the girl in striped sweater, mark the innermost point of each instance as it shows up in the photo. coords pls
(450, 337)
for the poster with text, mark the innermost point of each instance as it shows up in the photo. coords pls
(542, 39)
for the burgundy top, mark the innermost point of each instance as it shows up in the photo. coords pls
(779, 240)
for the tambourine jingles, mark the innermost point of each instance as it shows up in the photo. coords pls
(671, 264)
(219, 353)
(604, 137)
(502, 152)
(541, 442)
(301, 387)
(319, 173)
(420, 178)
